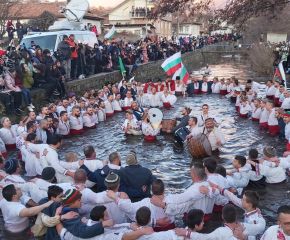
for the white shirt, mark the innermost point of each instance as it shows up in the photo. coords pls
(264, 116)
(277, 94)
(76, 123)
(281, 98)
(41, 135)
(179, 87)
(245, 109)
(270, 91)
(170, 98)
(117, 105)
(215, 87)
(128, 102)
(223, 87)
(230, 87)
(204, 87)
(257, 113)
(2, 146)
(221, 233)
(201, 119)
(8, 136)
(89, 121)
(60, 109)
(13, 222)
(272, 174)
(64, 127)
(287, 131)
(286, 103)
(214, 136)
(273, 232)
(142, 101)
(154, 100)
(148, 130)
(272, 121)
(102, 114)
(195, 131)
(109, 107)
(134, 124)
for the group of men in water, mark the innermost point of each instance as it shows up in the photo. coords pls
(92, 199)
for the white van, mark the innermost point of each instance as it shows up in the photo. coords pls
(50, 40)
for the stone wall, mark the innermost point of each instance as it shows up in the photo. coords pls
(148, 70)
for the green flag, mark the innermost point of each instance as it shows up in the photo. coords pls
(123, 71)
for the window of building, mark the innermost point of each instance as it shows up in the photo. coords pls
(186, 29)
(181, 29)
(137, 32)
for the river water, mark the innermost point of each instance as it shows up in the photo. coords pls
(172, 165)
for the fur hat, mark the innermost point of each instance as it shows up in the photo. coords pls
(131, 158)
(269, 151)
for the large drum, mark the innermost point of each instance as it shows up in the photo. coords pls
(167, 124)
(199, 146)
(180, 136)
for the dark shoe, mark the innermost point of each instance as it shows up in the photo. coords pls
(19, 109)
(17, 112)
(56, 92)
(50, 100)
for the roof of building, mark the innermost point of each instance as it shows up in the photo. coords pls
(33, 10)
(128, 25)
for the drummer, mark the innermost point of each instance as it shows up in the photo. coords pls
(147, 129)
(131, 126)
(183, 121)
(201, 118)
(193, 128)
(214, 134)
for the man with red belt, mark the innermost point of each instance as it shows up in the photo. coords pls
(88, 118)
(170, 84)
(74, 56)
(204, 85)
(277, 94)
(193, 87)
(8, 133)
(179, 87)
(76, 122)
(64, 127)
(272, 120)
(159, 87)
(109, 106)
(286, 118)
(270, 89)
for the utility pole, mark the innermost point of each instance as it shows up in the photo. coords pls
(177, 23)
(146, 17)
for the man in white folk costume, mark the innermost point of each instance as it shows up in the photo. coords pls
(179, 87)
(8, 133)
(154, 98)
(64, 127)
(128, 101)
(142, 99)
(88, 119)
(168, 98)
(270, 90)
(76, 122)
(131, 125)
(193, 128)
(102, 112)
(215, 87)
(147, 129)
(282, 230)
(117, 104)
(109, 105)
(41, 130)
(201, 118)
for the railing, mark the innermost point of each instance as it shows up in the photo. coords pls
(230, 48)
(140, 14)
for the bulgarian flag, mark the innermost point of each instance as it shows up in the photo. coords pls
(172, 64)
(280, 72)
(111, 33)
(182, 72)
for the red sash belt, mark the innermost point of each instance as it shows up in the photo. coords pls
(118, 111)
(76, 132)
(217, 208)
(287, 148)
(243, 115)
(280, 103)
(195, 91)
(206, 217)
(166, 104)
(109, 114)
(178, 93)
(264, 126)
(164, 228)
(126, 108)
(19, 156)
(216, 151)
(150, 138)
(65, 136)
(203, 92)
(92, 127)
(4, 154)
(271, 96)
(10, 146)
(255, 119)
(238, 108)
(276, 100)
(274, 129)
(224, 92)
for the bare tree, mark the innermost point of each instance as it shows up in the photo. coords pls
(99, 10)
(7, 11)
(43, 21)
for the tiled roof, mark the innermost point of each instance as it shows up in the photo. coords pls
(33, 10)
